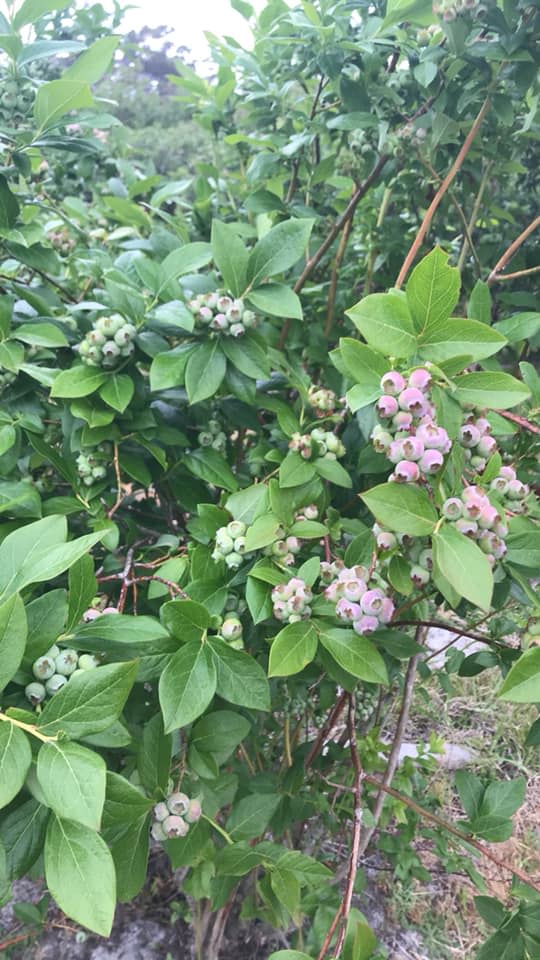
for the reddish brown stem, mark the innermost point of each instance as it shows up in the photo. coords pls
(514, 276)
(521, 421)
(326, 730)
(510, 251)
(332, 234)
(426, 222)
(334, 278)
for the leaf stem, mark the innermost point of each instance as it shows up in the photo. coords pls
(226, 836)
(28, 728)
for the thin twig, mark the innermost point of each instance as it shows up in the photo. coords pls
(426, 222)
(334, 278)
(461, 214)
(325, 732)
(510, 251)
(332, 234)
(467, 242)
(521, 421)
(442, 626)
(401, 725)
(513, 276)
(119, 494)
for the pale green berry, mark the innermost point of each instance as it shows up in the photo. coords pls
(88, 661)
(53, 652)
(66, 662)
(194, 811)
(43, 668)
(231, 628)
(178, 803)
(161, 811)
(99, 473)
(158, 832)
(236, 529)
(55, 683)
(233, 561)
(35, 693)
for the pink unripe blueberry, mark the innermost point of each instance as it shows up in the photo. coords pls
(365, 625)
(205, 314)
(402, 420)
(280, 610)
(501, 530)
(347, 610)
(419, 575)
(412, 448)
(386, 540)
(483, 425)
(406, 471)
(499, 484)
(452, 508)
(508, 473)
(387, 406)
(412, 400)
(420, 379)
(110, 610)
(387, 611)
(174, 827)
(178, 803)
(395, 452)
(469, 435)
(194, 811)
(431, 462)
(91, 614)
(372, 601)
(382, 441)
(517, 490)
(392, 383)
(224, 303)
(293, 544)
(219, 322)
(311, 512)
(354, 589)
(486, 447)
(488, 517)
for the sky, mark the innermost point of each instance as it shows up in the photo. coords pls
(190, 18)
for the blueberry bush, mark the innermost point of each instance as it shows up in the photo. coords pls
(262, 428)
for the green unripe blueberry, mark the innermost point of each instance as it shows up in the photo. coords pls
(99, 473)
(161, 812)
(158, 832)
(240, 545)
(125, 335)
(53, 652)
(231, 628)
(88, 480)
(233, 561)
(35, 693)
(205, 439)
(236, 529)
(178, 803)
(55, 683)
(224, 542)
(88, 661)
(110, 350)
(534, 628)
(214, 427)
(43, 668)
(66, 662)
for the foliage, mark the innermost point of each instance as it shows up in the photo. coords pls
(219, 538)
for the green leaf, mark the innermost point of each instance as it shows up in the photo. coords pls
(42, 565)
(129, 850)
(463, 565)
(432, 290)
(471, 791)
(480, 304)
(452, 337)
(8, 437)
(9, 205)
(414, 11)
(185, 619)
(124, 803)
(209, 465)
(247, 356)
(503, 797)
(294, 470)
(250, 816)
(219, 733)
(82, 588)
(357, 655)
(289, 955)
(91, 65)
(73, 781)
(276, 299)
(248, 503)
(186, 259)
(58, 97)
(230, 256)
(15, 760)
(521, 326)
(79, 381)
(32, 10)
(118, 391)
(384, 321)
(522, 685)
(292, 649)
(90, 702)
(40, 334)
(278, 250)
(80, 875)
(332, 471)
(494, 390)
(42, 49)
(205, 370)
(13, 633)
(237, 859)
(118, 632)
(187, 686)
(262, 532)
(154, 755)
(404, 508)
(364, 366)
(523, 544)
(23, 833)
(240, 679)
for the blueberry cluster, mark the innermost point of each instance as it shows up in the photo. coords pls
(17, 97)
(53, 670)
(474, 515)
(108, 342)
(291, 601)
(217, 311)
(323, 401)
(318, 443)
(359, 600)
(231, 544)
(416, 551)
(449, 10)
(6, 378)
(62, 241)
(92, 466)
(173, 816)
(96, 610)
(284, 551)
(474, 437)
(407, 432)
(366, 701)
(213, 437)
